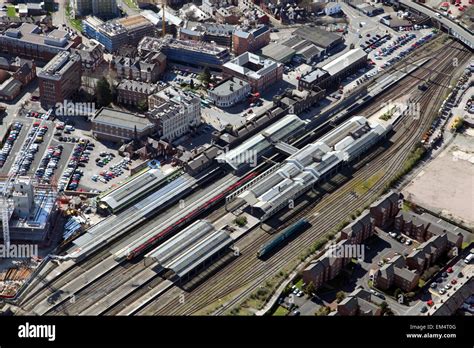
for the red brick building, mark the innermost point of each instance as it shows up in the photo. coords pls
(60, 79)
(386, 208)
(250, 40)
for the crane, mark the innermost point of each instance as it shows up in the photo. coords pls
(5, 208)
(163, 23)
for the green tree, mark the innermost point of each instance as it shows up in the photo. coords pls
(385, 308)
(142, 105)
(205, 76)
(323, 311)
(241, 221)
(191, 84)
(310, 288)
(103, 92)
(397, 292)
(340, 296)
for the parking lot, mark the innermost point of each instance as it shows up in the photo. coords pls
(58, 153)
(12, 143)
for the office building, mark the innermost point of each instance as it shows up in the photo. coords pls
(60, 79)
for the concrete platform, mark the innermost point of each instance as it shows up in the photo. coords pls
(150, 296)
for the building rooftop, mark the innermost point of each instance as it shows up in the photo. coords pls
(252, 65)
(133, 188)
(8, 87)
(57, 66)
(260, 143)
(278, 52)
(31, 33)
(312, 162)
(229, 86)
(123, 119)
(319, 37)
(149, 43)
(341, 62)
(137, 86)
(314, 75)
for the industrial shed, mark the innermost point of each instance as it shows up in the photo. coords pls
(278, 52)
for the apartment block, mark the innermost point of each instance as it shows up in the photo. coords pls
(325, 268)
(396, 274)
(360, 229)
(423, 227)
(428, 253)
(384, 210)
(360, 303)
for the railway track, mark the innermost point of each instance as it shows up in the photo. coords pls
(97, 290)
(247, 260)
(40, 291)
(334, 208)
(415, 131)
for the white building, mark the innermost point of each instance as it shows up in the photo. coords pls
(23, 197)
(176, 112)
(332, 8)
(312, 163)
(229, 92)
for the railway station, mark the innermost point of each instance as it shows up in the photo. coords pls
(192, 248)
(249, 152)
(133, 190)
(115, 225)
(312, 164)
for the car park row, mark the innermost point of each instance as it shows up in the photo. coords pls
(49, 163)
(72, 175)
(7, 147)
(30, 147)
(116, 170)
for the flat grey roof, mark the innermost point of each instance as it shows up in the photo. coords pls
(313, 75)
(122, 119)
(133, 188)
(278, 52)
(223, 89)
(343, 61)
(319, 37)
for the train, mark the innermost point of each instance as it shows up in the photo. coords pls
(192, 215)
(276, 242)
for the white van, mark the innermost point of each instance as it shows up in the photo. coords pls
(468, 258)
